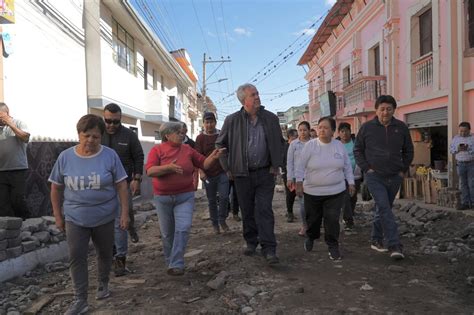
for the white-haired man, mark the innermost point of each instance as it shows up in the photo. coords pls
(255, 146)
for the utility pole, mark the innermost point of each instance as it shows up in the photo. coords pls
(204, 62)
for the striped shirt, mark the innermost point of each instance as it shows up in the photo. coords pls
(463, 156)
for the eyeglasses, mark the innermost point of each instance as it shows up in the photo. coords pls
(112, 121)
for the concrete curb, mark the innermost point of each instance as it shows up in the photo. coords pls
(18, 266)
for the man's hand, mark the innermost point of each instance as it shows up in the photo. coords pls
(135, 187)
(229, 174)
(5, 119)
(299, 189)
(274, 170)
(291, 185)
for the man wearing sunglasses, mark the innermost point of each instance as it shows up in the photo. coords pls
(125, 142)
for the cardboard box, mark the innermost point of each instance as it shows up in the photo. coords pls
(422, 152)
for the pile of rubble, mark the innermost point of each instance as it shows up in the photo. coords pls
(439, 231)
(18, 236)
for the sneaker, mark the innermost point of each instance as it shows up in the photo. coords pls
(134, 236)
(396, 253)
(119, 266)
(378, 246)
(175, 271)
(216, 229)
(349, 226)
(236, 217)
(225, 227)
(308, 244)
(302, 231)
(249, 250)
(102, 291)
(78, 306)
(272, 259)
(334, 254)
(290, 218)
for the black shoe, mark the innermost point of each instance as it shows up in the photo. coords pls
(225, 227)
(134, 236)
(308, 244)
(378, 246)
(463, 207)
(120, 266)
(334, 254)
(396, 252)
(249, 250)
(290, 218)
(272, 259)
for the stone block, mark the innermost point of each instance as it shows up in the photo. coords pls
(10, 223)
(13, 233)
(42, 236)
(25, 235)
(3, 244)
(14, 242)
(3, 255)
(3, 234)
(29, 246)
(34, 225)
(14, 252)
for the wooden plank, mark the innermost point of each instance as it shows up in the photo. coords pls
(38, 305)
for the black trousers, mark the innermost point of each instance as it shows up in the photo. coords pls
(13, 194)
(290, 197)
(255, 194)
(329, 208)
(350, 203)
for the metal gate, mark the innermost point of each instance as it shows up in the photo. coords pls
(428, 118)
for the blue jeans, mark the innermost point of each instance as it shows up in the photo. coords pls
(175, 214)
(383, 190)
(214, 185)
(255, 193)
(121, 236)
(302, 211)
(466, 182)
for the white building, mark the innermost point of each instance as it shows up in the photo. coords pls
(74, 57)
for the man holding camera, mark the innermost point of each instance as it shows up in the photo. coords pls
(462, 147)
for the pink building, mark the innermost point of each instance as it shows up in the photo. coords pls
(419, 51)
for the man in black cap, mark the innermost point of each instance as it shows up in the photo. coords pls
(215, 179)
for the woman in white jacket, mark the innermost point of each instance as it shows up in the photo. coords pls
(325, 166)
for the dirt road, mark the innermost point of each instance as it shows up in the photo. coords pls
(304, 283)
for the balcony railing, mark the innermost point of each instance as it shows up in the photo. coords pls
(423, 68)
(364, 89)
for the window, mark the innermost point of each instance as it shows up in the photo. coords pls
(346, 76)
(376, 52)
(426, 33)
(145, 73)
(328, 85)
(162, 83)
(469, 20)
(124, 48)
(155, 85)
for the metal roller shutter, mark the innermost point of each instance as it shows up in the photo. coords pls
(428, 118)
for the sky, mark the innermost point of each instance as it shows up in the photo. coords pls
(263, 36)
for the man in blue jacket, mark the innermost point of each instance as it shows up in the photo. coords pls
(384, 152)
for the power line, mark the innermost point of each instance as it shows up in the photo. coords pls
(200, 27)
